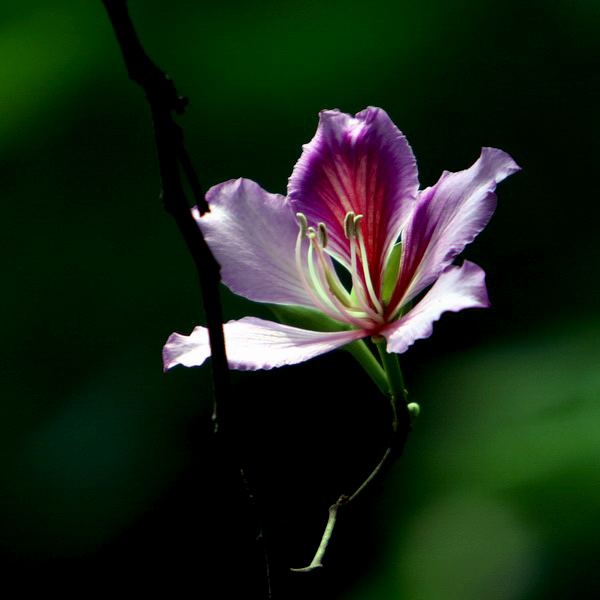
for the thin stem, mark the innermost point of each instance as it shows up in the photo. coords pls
(369, 363)
(372, 476)
(392, 371)
(393, 389)
(317, 561)
(391, 366)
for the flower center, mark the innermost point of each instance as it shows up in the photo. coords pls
(359, 307)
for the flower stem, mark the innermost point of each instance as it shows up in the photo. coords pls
(317, 561)
(390, 381)
(392, 371)
(394, 377)
(370, 364)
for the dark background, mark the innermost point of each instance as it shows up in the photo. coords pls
(108, 469)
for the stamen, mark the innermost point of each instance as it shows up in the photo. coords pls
(349, 225)
(333, 282)
(329, 302)
(303, 224)
(323, 235)
(332, 292)
(357, 284)
(356, 225)
(309, 284)
(317, 281)
(322, 283)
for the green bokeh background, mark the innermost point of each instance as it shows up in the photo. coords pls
(107, 468)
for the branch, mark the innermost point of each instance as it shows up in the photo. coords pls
(173, 158)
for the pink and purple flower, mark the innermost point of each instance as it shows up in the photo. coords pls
(355, 239)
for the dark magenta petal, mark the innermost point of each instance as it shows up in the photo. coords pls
(446, 218)
(361, 164)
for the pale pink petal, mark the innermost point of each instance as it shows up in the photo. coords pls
(456, 289)
(446, 218)
(361, 164)
(256, 344)
(252, 234)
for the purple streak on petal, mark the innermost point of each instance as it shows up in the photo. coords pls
(456, 289)
(446, 218)
(256, 344)
(361, 164)
(252, 234)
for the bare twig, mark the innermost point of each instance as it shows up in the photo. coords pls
(172, 157)
(401, 429)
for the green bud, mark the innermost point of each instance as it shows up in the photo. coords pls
(413, 410)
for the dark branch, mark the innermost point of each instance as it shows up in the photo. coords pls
(173, 159)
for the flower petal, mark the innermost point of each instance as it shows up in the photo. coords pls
(256, 344)
(456, 289)
(252, 234)
(361, 164)
(446, 218)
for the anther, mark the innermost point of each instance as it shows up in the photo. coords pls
(303, 224)
(323, 236)
(349, 225)
(356, 224)
(312, 236)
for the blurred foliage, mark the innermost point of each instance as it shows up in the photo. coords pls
(106, 463)
(500, 496)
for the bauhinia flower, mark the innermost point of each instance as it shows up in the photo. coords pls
(355, 239)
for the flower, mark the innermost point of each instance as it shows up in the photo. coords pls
(354, 239)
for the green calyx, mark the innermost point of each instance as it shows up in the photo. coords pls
(308, 318)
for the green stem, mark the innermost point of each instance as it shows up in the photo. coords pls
(391, 383)
(393, 374)
(317, 561)
(370, 364)
(392, 371)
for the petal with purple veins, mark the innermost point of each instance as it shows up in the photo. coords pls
(446, 218)
(252, 234)
(456, 289)
(254, 343)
